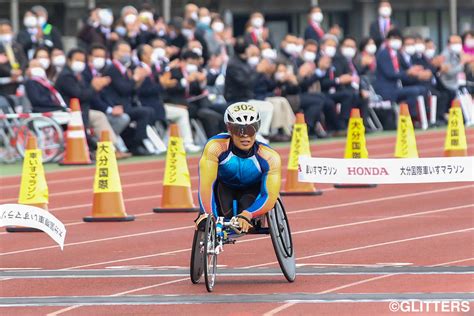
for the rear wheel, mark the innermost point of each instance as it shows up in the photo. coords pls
(197, 255)
(281, 239)
(210, 256)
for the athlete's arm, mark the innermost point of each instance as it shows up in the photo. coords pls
(271, 181)
(208, 174)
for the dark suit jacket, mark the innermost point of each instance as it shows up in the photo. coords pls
(239, 80)
(5, 69)
(310, 33)
(386, 77)
(42, 100)
(339, 67)
(375, 31)
(121, 89)
(150, 94)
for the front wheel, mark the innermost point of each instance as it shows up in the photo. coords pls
(197, 255)
(281, 239)
(210, 256)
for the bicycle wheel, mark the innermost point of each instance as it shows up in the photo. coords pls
(48, 133)
(281, 239)
(210, 256)
(197, 253)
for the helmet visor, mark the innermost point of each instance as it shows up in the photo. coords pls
(243, 130)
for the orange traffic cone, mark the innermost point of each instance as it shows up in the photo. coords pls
(107, 205)
(355, 145)
(299, 147)
(77, 151)
(177, 195)
(455, 143)
(33, 188)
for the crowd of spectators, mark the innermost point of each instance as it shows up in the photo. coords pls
(133, 71)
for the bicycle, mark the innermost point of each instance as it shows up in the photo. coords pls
(14, 129)
(208, 244)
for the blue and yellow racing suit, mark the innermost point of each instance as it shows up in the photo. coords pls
(223, 163)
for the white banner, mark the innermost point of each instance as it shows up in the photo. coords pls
(386, 171)
(31, 216)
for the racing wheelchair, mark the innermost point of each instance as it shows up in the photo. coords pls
(209, 243)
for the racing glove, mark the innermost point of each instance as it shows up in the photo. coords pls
(244, 221)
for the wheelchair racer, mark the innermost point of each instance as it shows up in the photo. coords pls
(239, 177)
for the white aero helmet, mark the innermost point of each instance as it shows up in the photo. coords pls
(242, 118)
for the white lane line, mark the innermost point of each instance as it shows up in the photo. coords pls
(159, 181)
(392, 242)
(289, 304)
(292, 212)
(67, 309)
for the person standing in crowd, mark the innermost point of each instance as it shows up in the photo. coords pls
(314, 30)
(13, 61)
(256, 32)
(51, 35)
(380, 28)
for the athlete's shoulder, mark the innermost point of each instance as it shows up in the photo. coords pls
(217, 144)
(269, 154)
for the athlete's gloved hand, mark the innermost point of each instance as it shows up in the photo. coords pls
(200, 222)
(244, 221)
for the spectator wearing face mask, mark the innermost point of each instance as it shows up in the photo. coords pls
(120, 91)
(240, 80)
(58, 61)
(219, 39)
(190, 33)
(379, 29)
(160, 55)
(31, 36)
(191, 11)
(256, 32)
(190, 90)
(150, 94)
(204, 22)
(44, 57)
(365, 61)
(50, 34)
(314, 30)
(71, 84)
(389, 76)
(291, 50)
(12, 60)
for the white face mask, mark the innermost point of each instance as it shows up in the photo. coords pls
(6, 38)
(395, 44)
(206, 20)
(218, 27)
(30, 21)
(309, 57)
(269, 53)
(420, 48)
(280, 75)
(470, 42)
(456, 48)
(78, 66)
(130, 19)
(317, 17)
(298, 49)
(44, 62)
(98, 63)
(348, 52)
(59, 61)
(188, 33)
(370, 49)
(194, 16)
(253, 61)
(158, 53)
(106, 18)
(290, 48)
(257, 22)
(430, 53)
(190, 68)
(197, 50)
(330, 51)
(38, 72)
(410, 50)
(41, 20)
(385, 12)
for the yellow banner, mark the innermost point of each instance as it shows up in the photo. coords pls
(176, 169)
(299, 145)
(107, 177)
(355, 144)
(33, 189)
(455, 134)
(406, 141)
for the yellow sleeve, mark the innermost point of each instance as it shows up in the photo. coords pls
(208, 174)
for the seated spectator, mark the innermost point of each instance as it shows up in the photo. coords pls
(44, 57)
(215, 83)
(150, 95)
(290, 51)
(58, 61)
(189, 89)
(12, 60)
(239, 83)
(365, 61)
(389, 76)
(71, 84)
(120, 93)
(190, 33)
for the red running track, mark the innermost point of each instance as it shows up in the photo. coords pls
(423, 225)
